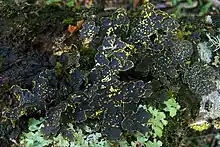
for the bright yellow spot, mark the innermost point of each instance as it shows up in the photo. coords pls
(113, 90)
(200, 125)
(188, 62)
(98, 112)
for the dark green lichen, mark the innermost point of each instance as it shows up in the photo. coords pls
(94, 91)
(168, 63)
(153, 28)
(52, 122)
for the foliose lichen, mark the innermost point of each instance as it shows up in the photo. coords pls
(201, 79)
(147, 44)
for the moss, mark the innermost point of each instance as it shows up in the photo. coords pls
(31, 23)
(68, 21)
(58, 68)
(185, 30)
(87, 56)
(178, 128)
(190, 28)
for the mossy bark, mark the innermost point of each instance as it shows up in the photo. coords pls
(31, 26)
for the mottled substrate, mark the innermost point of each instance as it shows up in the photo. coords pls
(201, 79)
(210, 106)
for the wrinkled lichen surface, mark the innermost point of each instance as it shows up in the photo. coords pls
(100, 75)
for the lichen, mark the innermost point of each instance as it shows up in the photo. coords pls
(204, 52)
(109, 93)
(201, 79)
(210, 106)
(200, 125)
(153, 28)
